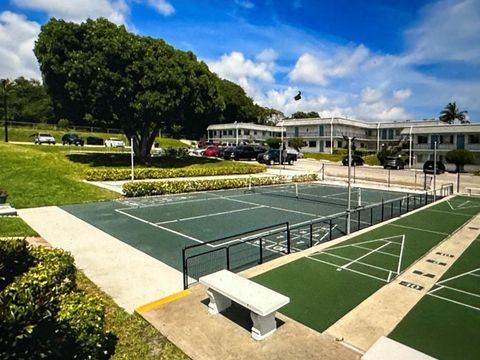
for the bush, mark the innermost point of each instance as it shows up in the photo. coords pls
(63, 124)
(148, 188)
(43, 316)
(15, 259)
(156, 173)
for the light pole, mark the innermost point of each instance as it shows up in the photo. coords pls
(435, 170)
(236, 133)
(349, 139)
(410, 149)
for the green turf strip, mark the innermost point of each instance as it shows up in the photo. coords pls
(444, 329)
(320, 294)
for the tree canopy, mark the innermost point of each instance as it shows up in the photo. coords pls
(27, 100)
(459, 157)
(99, 72)
(304, 115)
(451, 112)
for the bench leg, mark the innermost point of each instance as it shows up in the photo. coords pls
(218, 302)
(263, 326)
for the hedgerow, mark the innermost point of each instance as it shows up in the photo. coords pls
(148, 188)
(106, 174)
(42, 315)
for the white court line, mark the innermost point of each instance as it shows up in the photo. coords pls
(401, 255)
(380, 252)
(161, 227)
(367, 242)
(461, 291)
(413, 228)
(359, 262)
(363, 256)
(455, 302)
(433, 290)
(270, 207)
(209, 215)
(457, 276)
(448, 212)
(354, 271)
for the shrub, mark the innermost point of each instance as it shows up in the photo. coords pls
(63, 124)
(148, 188)
(156, 173)
(15, 259)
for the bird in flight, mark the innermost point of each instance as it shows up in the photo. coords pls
(298, 96)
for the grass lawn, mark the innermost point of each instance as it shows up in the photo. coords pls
(15, 227)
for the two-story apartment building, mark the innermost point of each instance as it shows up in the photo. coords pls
(239, 133)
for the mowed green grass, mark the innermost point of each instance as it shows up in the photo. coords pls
(43, 175)
(320, 295)
(443, 329)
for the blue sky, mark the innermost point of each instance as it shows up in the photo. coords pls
(370, 60)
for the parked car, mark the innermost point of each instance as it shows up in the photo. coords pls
(72, 139)
(246, 152)
(211, 151)
(114, 142)
(44, 138)
(227, 152)
(428, 167)
(272, 156)
(356, 160)
(393, 163)
(92, 140)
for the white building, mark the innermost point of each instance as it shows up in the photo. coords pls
(239, 133)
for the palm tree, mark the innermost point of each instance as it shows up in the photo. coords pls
(452, 113)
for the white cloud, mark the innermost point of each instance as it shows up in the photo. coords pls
(402, 94)
(16, 52)
(79, 10)
(267, 56)
(245, 4)
(320, 69)
(370, 95)
(448, 30)
(162, 6)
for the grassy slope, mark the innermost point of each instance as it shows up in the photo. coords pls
(43, 175)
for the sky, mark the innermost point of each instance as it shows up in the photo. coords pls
(375, 60)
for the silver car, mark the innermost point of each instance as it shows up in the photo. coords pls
(44, 138)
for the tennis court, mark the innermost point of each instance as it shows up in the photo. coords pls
(340, 277)
(162, 226)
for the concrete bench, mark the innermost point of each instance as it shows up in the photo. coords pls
(472, 189)
(225, 286)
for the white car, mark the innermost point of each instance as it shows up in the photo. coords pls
(44, 138)
(114, 142)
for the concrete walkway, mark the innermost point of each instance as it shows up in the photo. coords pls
(129, 276)
(379, 314)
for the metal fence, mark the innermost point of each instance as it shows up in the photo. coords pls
(255, 247)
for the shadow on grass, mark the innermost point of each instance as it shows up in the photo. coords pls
(123, 159)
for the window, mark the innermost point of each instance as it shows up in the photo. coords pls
(312, 144)
(384, 133)
(328, 143)
(339, 143)
(246, 132)
(474, 139)
(446, 139)
(320, 130)
(230, 132)
(224, 132)
(255, 132)
(422, 139)
(390, 133)
(296, 131)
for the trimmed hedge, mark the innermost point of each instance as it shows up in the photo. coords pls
(15, 259)
(157, 173)
(41, 314)
(148, 188)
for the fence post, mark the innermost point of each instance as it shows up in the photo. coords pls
(383, 209)
(261, 251)
(359, 224)
(288, 239)
(371, 216)
(228, 257)
(311, 234)
(408, 203)
(185, 270)
(391, 210)
(330, 227)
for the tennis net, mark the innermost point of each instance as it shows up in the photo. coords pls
(334, 196)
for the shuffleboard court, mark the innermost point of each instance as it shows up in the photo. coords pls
(326, 285)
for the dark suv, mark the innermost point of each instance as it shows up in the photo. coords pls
(272, 156)
(246, 152)
(72, 139)
(394, 163)
(356, 160)
(428, 167)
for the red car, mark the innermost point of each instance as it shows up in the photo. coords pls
(211, 151)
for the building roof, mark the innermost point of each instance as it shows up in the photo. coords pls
(358, 123)
(249, 126)
(443, 129)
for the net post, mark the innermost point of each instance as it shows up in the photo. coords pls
(358, 219)
(331, 229)
(391, 210)
(408, 203)
(261, 250)
(371, 216)
(383, 209)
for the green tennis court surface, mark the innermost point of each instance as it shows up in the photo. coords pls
(325, 286)
(162, 226)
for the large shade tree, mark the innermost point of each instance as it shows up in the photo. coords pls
(99, 72)
(451, 112)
